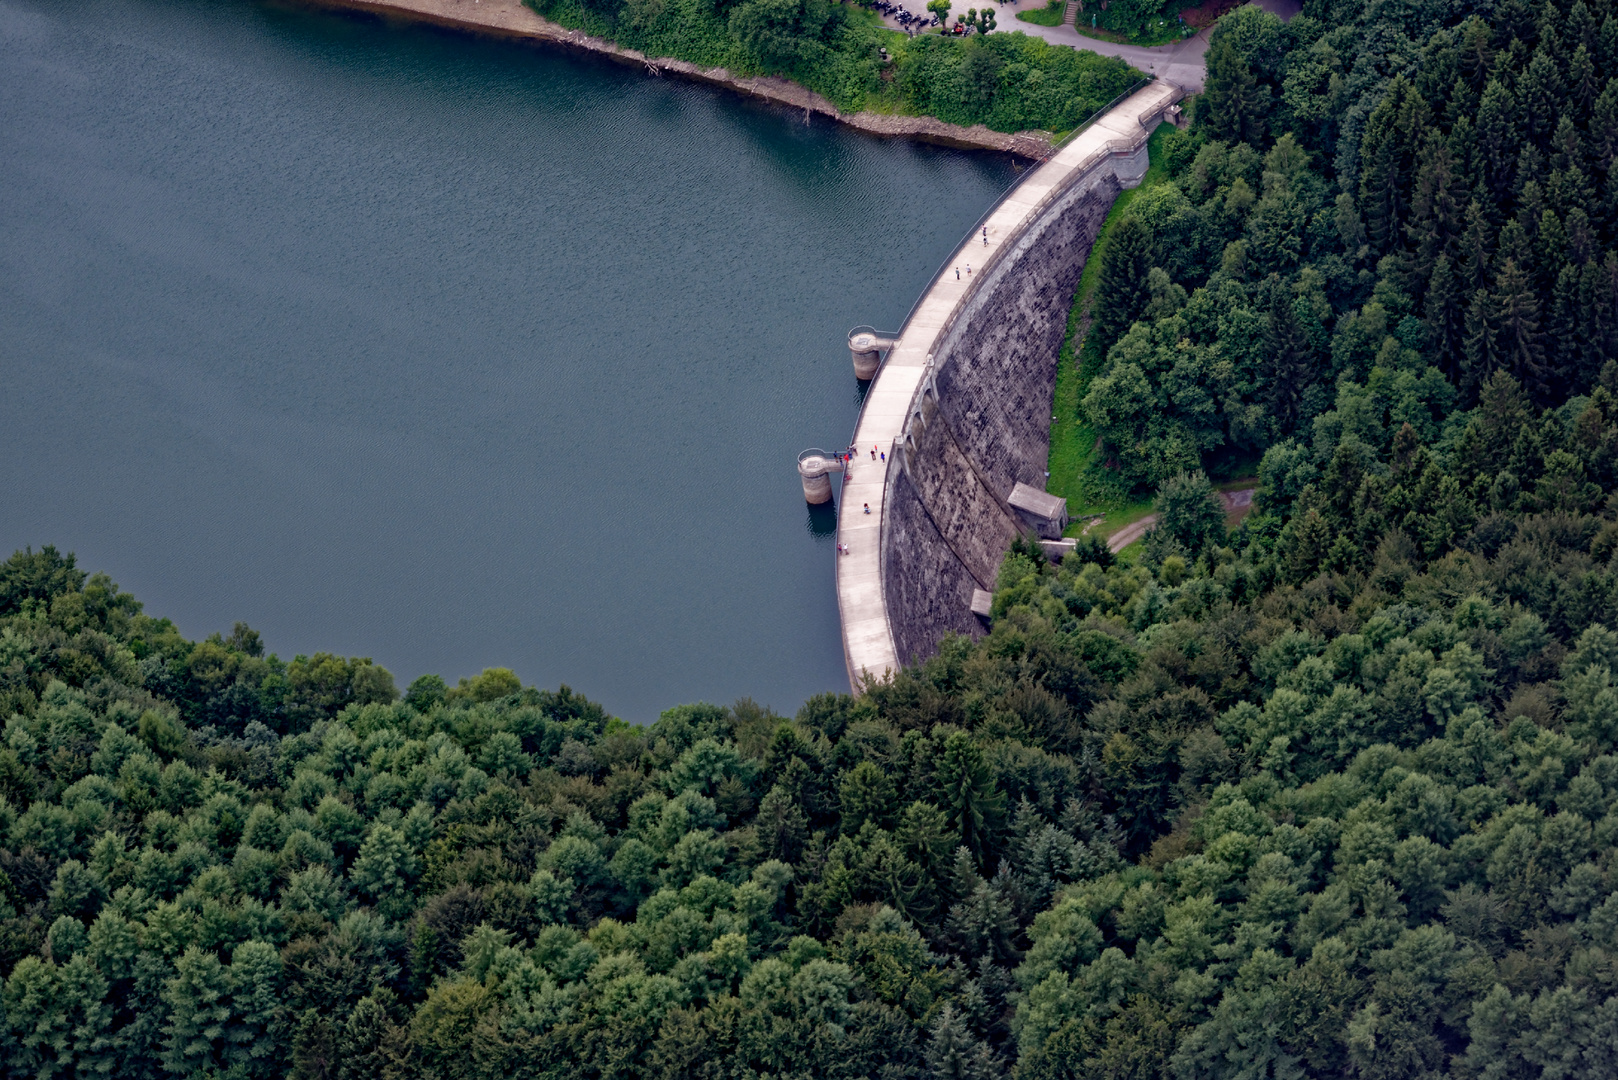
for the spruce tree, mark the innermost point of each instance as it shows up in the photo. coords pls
(1598, 305)
(1582, 84)
(370, 1043)
(1497, 137)
(1475, 53)
(1503, 413)
(314, 1047)
(1122, 289)
(1604, 125)
(974, 807)
(1287, 358)
(1566, 344)
(1539, 92)
(1381, 191)
(1479, 347)
(1475, 250)
(954, 1053)
(1304, 543)
(867, 795)
(198, 1000)
(255, 975)
(85, 1000)
(782, 825)
(1236, 104)
(1606, 49)
(1444, 316)
(1435, 210)
(39, 1031)
(1520, 343)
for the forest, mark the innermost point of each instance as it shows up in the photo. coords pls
(1333, 793)
(1374, 213)
(1006, 81)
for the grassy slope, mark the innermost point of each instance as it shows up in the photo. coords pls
(1073, 441)
(1050, 15)
(1163, 31)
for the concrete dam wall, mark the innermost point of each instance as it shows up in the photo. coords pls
(961, 405)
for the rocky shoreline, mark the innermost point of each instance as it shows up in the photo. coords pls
(512, 19)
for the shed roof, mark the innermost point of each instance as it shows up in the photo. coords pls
(1039, 503)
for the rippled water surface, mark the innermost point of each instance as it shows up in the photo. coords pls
(444, 351)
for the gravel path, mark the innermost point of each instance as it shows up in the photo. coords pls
(1233, 500)
(1130, 533)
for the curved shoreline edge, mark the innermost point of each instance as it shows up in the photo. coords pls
(512, 19)
(960, 405)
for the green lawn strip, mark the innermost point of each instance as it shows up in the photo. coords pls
(1072, 440)
(1050, 15)
(1162, 31)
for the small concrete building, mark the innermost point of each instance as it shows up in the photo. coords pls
(982, 603)
(1043, 512)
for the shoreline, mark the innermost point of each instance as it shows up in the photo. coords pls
(513, 20)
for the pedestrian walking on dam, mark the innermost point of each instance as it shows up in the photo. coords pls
(985, 236)
(867, 508)
(957, 273)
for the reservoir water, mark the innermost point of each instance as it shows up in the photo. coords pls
(444, 351)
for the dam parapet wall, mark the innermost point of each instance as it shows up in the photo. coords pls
(961, 406)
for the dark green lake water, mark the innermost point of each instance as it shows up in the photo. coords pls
(444, 351)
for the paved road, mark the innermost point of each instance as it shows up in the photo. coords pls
(1180, 63)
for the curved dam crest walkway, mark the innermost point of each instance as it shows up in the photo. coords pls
(960, 406)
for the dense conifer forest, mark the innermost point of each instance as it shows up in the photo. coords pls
(1374, 214)
(1334, 794)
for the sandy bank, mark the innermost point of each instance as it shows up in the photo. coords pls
(510, 18)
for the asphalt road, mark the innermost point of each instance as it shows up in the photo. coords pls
(1180, 63)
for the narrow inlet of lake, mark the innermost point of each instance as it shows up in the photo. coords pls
(448, 352)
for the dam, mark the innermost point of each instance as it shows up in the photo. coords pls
(954, 433)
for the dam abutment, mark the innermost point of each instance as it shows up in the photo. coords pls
(961, 404)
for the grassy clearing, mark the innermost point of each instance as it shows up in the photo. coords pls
(1049, 15)
(1162, 30)
(1073, 442)
(1112, 519)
